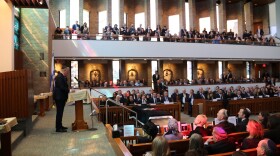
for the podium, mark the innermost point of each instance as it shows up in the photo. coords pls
(5, 132)
(78, 96)
(42, 100)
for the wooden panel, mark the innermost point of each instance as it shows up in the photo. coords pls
(16, 94)
(116, 115)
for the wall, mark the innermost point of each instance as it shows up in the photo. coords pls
(261, 14)
(232, 11)
(202, 9)
(86, 66)
(238, 69)
(6, 36)
(176, 67)
(56, 6)
(140, 67)
(129, 10)
(34, 40)
(169, 8)
(210, 69)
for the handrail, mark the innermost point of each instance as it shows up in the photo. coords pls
(123, 110)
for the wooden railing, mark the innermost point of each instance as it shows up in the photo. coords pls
(16, 94)
(115, 113)
(211, 108)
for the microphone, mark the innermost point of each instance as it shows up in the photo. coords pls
(76, 79)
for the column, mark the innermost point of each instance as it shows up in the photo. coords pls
(194, 69)
(6, 36)
(248, 11)
(121, 14)
(277, 6)
(147, 7)
(222, 16)
(193, 18)
(182, 14)
(213, 16)
(240, 18)
(158, 12)
(109, 12)
(81, 12)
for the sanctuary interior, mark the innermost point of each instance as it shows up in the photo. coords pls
(114, 48)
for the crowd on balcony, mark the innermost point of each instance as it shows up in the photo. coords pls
(133, 33)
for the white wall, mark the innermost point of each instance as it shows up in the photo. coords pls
(6, 36)
(125, 49)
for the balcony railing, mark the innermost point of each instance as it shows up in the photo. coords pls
(161, 39)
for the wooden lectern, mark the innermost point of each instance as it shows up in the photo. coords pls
(78, 97)
(42, 100)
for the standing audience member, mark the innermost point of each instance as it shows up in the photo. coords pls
(273, 125)
(173, 133)
(155, 79)
(196, 146)
(221, 142)
(243, 118)
(76, 27)
(255, 135)
(266, 147)
(199, 122)
(263, 118)
(222, 116)
(160, 147)
(60, 94)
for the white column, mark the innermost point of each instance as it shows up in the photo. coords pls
(277, 6)
(6, 36)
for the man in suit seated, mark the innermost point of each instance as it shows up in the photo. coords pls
(153, 99)
(119, 100)
(266, 147)
(165, 98)
(221, 142)
(222, 116)
(219, 94)
(239, 95)
(144, 100)
(138, 99)
(183, 97)
(243, 118)
(201, 94)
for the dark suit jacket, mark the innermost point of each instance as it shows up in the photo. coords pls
(151, 100)
(241, 126)
(227, 126)
(181, 96)
(221, 147)
(155, 78)
(61, 89)
(138, 101)
(201, 131)
(163, 99)
(174, 97)
(200, 95)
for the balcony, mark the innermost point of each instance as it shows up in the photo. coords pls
(140, 47)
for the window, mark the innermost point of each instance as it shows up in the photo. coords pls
(154, 68)
(272, 18)
(139, 19)
(74, 74)
(187, 13)
(62, 18)
(248, 70)
(204, 23)
(233, 25)
(116, 71)
(153, 14)
(124, 19)
(115, 12)
(189, 70)
(173, 24)
(102, 21)
(85, 17)
(74, 11)
(220, 67)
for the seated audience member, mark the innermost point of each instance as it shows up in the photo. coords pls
(151, 132)
(222, 116)
(263, 118)
(221, 142)
(196, 146)
(144, 100)
(199, 122)
(175, 95)
(159, 98)
(119, 100)
(165, 98)
(273, 126)
(102, 101)
(266, 147)
(255, 135)
(243, 118)
(138, 99)
(153, 98)
(173, 133)
(130, 100)
(160, 147)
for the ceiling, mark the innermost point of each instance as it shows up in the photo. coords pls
(30, 3)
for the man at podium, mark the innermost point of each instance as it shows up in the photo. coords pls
(60, 95)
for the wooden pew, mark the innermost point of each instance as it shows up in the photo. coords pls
(211, 108)
(249, 152)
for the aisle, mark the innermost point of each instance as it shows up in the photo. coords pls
(44, 141)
